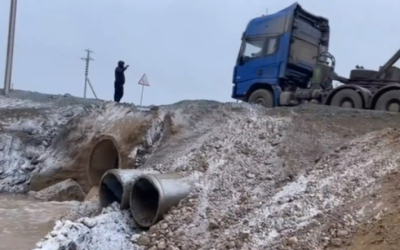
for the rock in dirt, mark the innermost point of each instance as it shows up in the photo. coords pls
(143, 240)
(94, 192)
(336, 242)
(292, 241)
(63, 191)
(87, 208)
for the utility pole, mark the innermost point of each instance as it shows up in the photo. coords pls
(87, 81)
(10, 46)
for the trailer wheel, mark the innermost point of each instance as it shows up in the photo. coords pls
(389, 101)
(262, 97)
(347, 98)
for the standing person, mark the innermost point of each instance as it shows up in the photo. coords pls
(119, 81)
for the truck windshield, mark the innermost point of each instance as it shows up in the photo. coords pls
(258, 47)
(252, 48)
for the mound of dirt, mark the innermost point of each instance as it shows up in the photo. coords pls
(27, 131)
(264, 181)
(307, 177)
(69, 155)
(297, 178)
(382, 230)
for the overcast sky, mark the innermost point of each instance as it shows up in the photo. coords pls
(187, 47)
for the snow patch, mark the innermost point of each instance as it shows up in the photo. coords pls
(112, 229)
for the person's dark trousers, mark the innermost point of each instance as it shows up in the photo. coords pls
(118, 91)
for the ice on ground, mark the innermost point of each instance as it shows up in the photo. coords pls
(112, 229)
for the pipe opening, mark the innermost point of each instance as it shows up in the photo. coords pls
(144, 202)
(103, 158)
(111, 190)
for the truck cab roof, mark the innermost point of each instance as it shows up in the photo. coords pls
(280, 21)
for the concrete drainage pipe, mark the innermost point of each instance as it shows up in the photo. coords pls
(104, 156)
(152, 195)
(116, 185)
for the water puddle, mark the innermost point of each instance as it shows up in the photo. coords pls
(24, 221)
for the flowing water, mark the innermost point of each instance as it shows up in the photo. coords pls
(24, 221)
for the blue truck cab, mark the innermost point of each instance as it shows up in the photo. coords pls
(278, 54)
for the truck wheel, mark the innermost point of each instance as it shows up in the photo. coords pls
(347, 98)
(389, 101)
(262, 97)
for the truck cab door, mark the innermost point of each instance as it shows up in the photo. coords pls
(258, 60)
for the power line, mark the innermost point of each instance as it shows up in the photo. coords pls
(87, 81)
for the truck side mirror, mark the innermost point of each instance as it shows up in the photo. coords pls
(241, 60)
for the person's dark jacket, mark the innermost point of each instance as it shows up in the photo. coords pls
(119, 73)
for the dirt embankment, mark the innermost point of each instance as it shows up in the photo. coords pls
(382, 230)
(277, 179)
(308, 177)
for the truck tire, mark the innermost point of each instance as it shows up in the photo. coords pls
(347, 98)
(389, 101)
(262, 97)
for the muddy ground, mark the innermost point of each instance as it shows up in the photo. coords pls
(381, 231)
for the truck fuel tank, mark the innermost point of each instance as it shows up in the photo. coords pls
(288, 98)
(361, 74)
